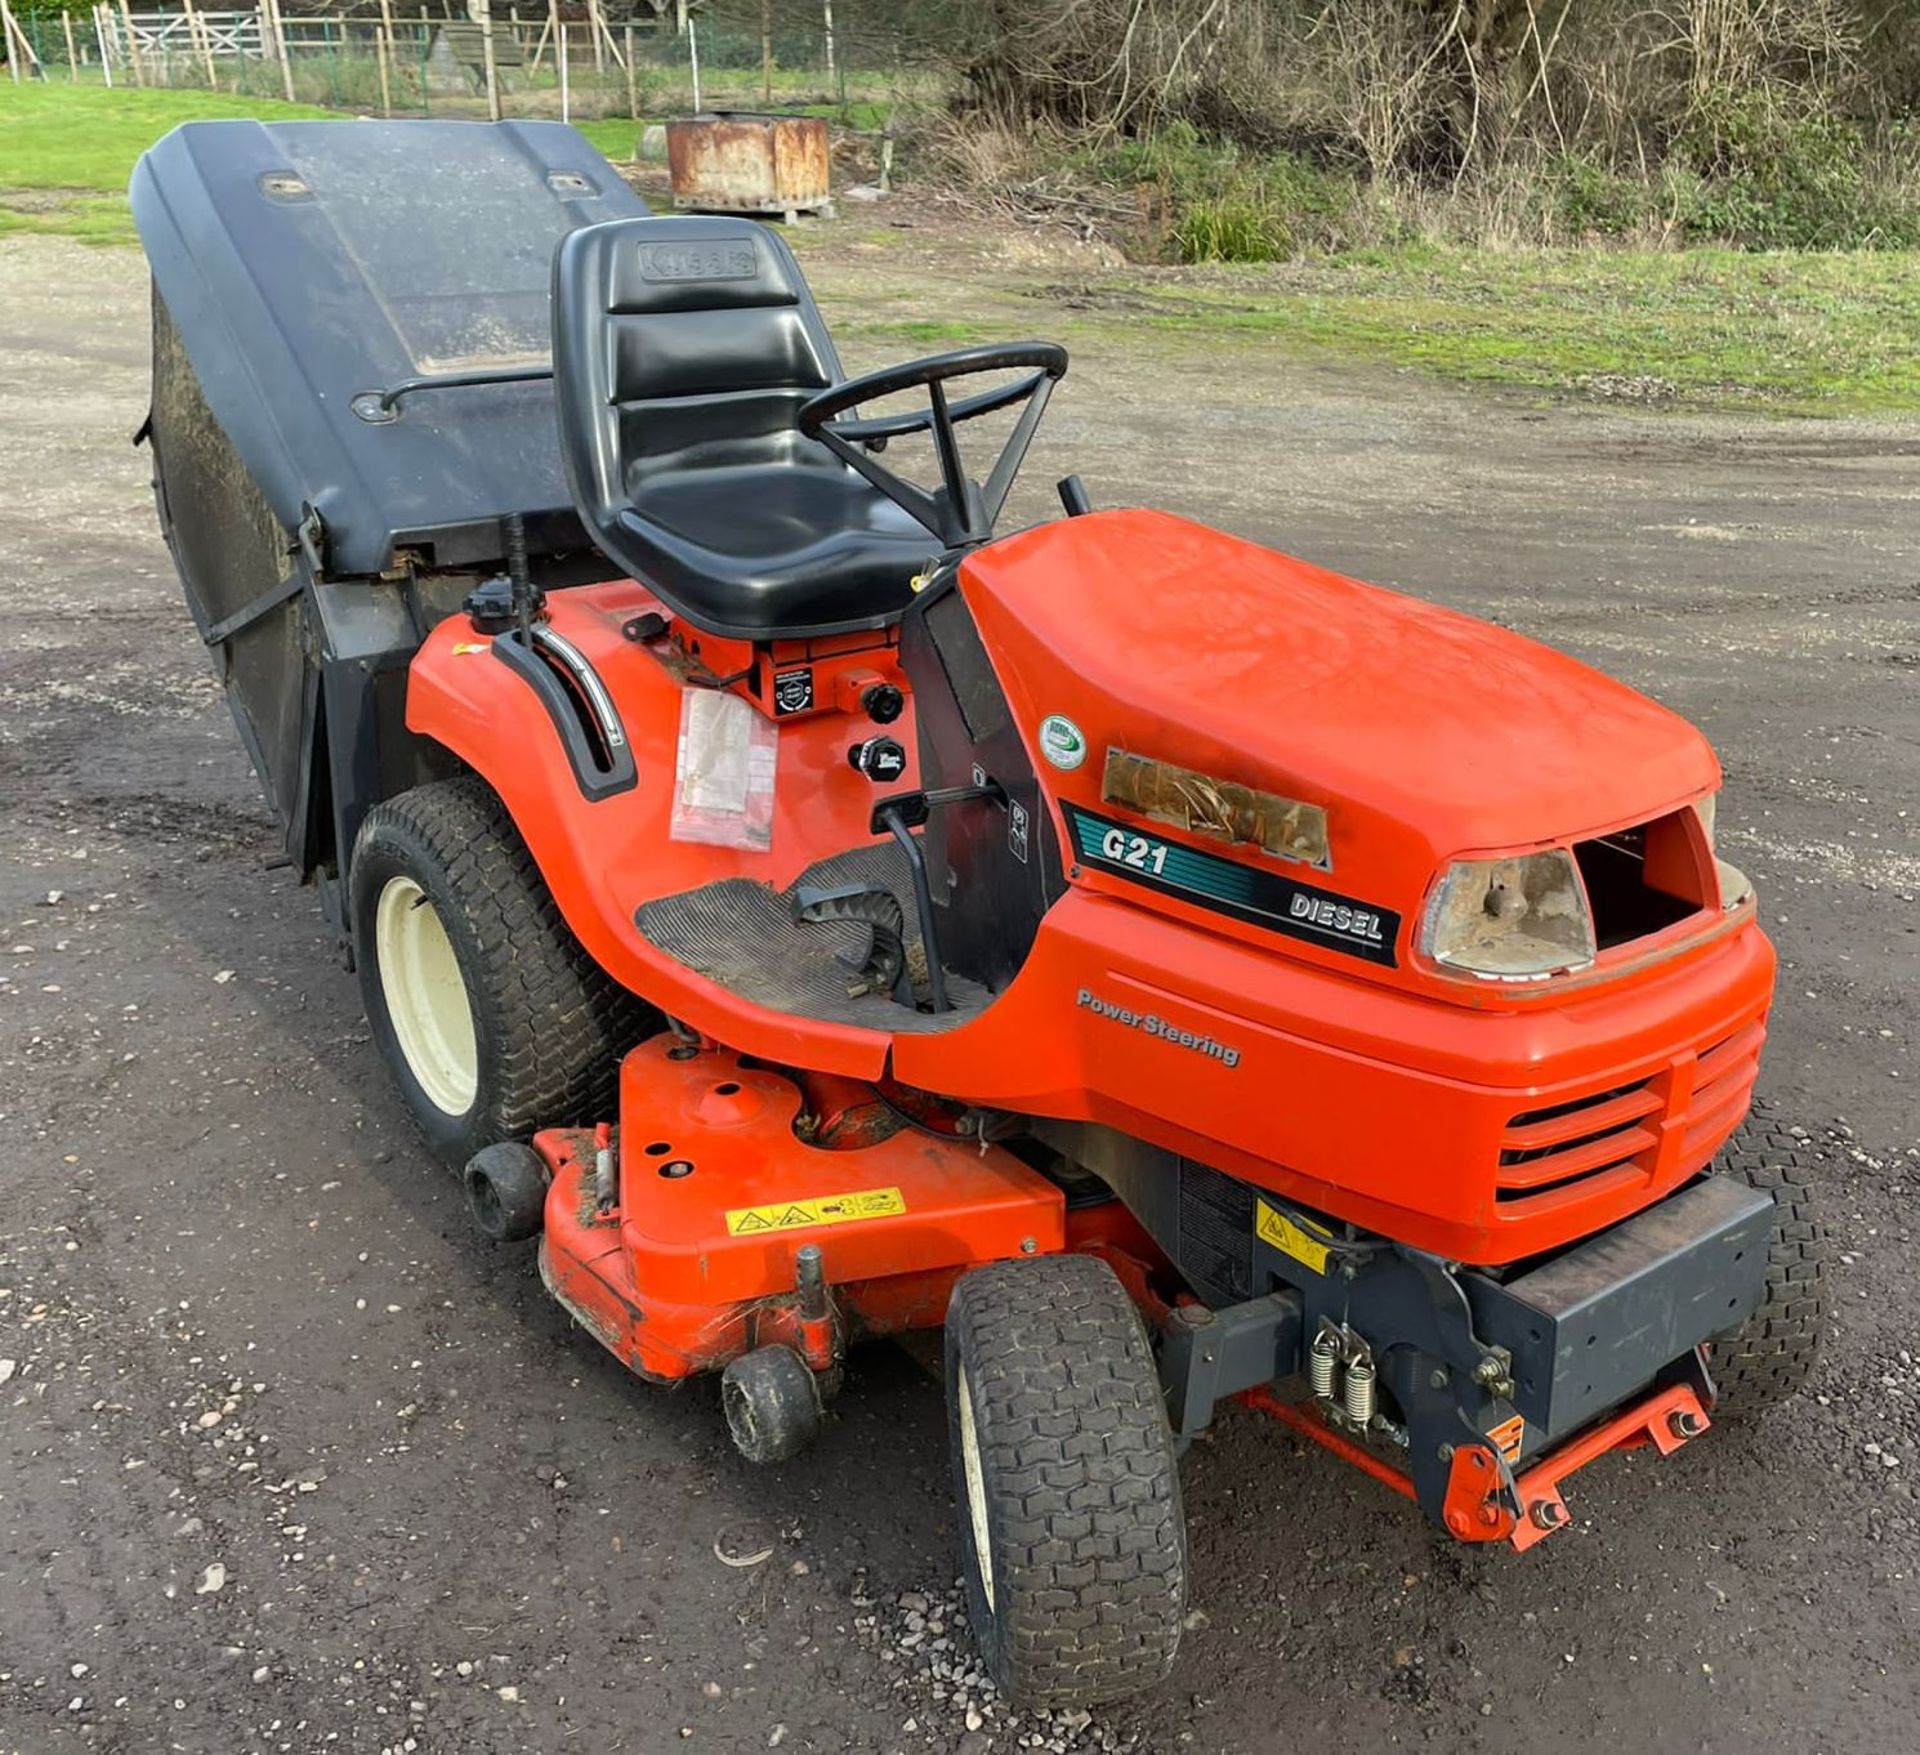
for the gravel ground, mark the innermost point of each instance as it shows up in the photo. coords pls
(290, 1461)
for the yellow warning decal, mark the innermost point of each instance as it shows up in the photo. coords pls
(826, 1209)
(1272, 1226)
(1508, 1436)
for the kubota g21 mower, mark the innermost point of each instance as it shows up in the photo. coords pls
(1182, 973)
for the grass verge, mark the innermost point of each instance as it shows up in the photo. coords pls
(1790, 332)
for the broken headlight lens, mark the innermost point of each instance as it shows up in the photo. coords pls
(1735, 886)
(1511, 919)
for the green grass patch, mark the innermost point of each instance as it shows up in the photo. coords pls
(85, 137)
(1795, 333)
(870, 116)
(616, 137)
(1213, 202)
(66, 151)
(93, 219)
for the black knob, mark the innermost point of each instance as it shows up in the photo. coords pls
(881, 759)
(490, 605)
(882, 703)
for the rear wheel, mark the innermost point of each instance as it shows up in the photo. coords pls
(1771, 1356)
(491, 1018)
(1068, 1490)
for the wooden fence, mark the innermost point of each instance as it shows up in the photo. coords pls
(220, 34)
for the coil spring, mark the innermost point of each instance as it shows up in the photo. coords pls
(1323, 1364)
(1358, 1396)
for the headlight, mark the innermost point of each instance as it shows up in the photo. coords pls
(1735, 886)
(1511, 919)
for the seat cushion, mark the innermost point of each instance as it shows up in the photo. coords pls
(779, 550)
(683, 349)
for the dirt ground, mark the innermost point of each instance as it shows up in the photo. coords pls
(290, 1460)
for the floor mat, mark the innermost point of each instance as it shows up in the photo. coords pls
(743, 935)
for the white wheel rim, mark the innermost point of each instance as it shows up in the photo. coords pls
(976, 1486)
(426, 996)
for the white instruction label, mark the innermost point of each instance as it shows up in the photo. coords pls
(724, 772)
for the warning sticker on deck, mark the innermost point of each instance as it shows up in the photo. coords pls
(826, 1209)
(1273, 1227)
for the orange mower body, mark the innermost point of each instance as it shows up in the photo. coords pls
(1182, 974)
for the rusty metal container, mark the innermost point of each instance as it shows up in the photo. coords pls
(727, 162)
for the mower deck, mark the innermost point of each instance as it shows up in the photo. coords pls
(694, 1262)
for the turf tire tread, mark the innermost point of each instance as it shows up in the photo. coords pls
(1772, 1356)
(1081, 1479)
(552, 1024)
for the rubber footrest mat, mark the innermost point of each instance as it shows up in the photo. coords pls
(742, 935)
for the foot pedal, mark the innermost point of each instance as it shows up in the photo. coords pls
(883, 966)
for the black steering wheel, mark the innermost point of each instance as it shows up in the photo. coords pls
(960, 510)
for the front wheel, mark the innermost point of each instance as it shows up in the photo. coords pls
(1771, 1356)
(1072, 1533)
(490, 1016)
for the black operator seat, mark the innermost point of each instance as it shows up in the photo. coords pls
(681, 349)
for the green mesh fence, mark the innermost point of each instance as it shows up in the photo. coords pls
(571, 62)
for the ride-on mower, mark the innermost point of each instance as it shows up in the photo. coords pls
(1183, 973)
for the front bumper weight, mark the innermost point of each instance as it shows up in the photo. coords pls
(1593, 1326)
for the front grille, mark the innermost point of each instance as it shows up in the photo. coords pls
(1605, 1136)
(1607, 1140)
(1723, 1082)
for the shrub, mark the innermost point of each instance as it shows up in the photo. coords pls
(1591, 198)
(1221, 203)
(1779, 179)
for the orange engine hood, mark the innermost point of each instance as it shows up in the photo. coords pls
(1424, 732)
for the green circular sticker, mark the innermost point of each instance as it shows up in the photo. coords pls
(1062, 742)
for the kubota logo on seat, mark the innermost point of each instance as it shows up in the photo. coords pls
(711, 261)
(1152, 1024)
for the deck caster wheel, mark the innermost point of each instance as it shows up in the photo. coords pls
(507, 1191)
(772, 1402)
(1074, 1543)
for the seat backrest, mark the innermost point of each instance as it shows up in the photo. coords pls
(680, 342)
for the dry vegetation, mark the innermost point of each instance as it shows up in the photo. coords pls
(1255, 126)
